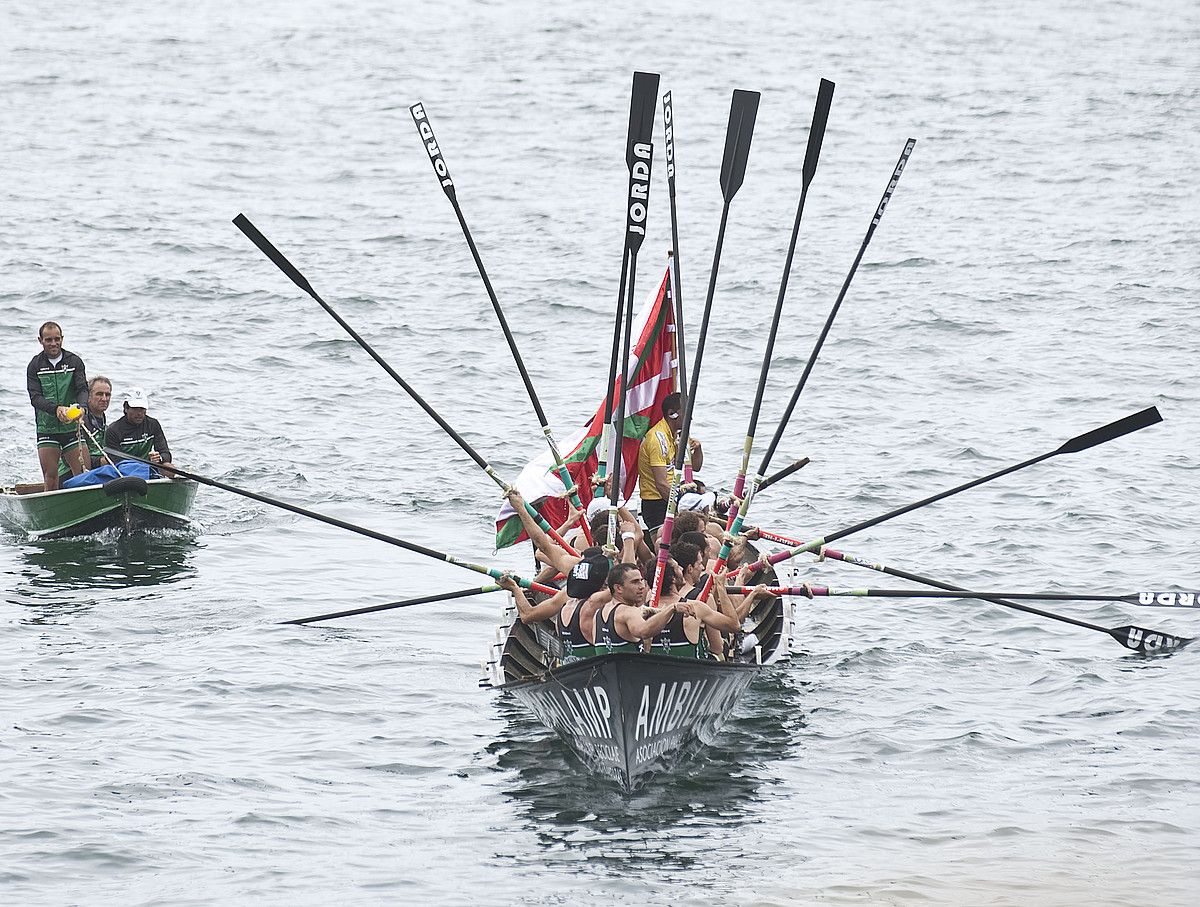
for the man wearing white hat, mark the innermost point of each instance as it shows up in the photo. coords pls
(136, 433)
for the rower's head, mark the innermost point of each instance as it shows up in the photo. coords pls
(135, 403)
(588, 576)
(50, 336)
(627, 585)
(687, 521)
(672, 410)
(99, 394)
(690, 560)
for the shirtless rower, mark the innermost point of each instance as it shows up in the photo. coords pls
(625, 624)
(573, 609)
(725, 620)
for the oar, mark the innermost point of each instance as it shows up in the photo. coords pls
(641, 125)
(342, 524)
(1105, 433)
(743, 111)
(673, 257)
(99, 446)
(782, 474)
(1139, 639)
(746, 499)
(293, 274)
(408, 603)
(812, 154)
(639, 158)
(1147, 599)
(425, 129)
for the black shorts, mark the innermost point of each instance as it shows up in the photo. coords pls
(64, 441)
(653, 513)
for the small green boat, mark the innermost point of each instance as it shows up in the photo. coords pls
(127, 504)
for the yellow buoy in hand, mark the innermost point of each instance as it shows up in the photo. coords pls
(74, 412)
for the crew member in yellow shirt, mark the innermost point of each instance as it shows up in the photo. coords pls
(656, 459)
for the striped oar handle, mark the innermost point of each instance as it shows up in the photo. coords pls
(569, 483)
(806, 591)
(500, 574)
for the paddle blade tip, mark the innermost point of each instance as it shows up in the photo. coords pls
(1139, 420)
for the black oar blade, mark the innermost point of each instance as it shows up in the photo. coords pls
(429, 140)
(816, 134)
(1148, 642)
(242, 222)
(1147, 417)
(743, 110)
(1165, 599)
(642, 103)
(639, 198)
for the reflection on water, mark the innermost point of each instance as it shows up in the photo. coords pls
(55, 572)
(567, 807)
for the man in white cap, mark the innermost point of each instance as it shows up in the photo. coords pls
(136, 433)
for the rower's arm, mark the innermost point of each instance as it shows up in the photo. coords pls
(555, 556)
(532, 614)
(713, 618)
(645, 628)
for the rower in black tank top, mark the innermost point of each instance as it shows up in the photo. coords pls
(607, 637)
(571, 632)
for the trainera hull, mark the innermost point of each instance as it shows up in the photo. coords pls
(124, 505)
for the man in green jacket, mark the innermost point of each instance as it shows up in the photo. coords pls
(56, 381)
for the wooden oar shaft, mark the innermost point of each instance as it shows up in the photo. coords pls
(425, 130)
(292, 272)
(342, 524)
(831, 592)
(408, 603)
(820, 342)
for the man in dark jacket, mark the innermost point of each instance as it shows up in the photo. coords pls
(136, 433)
(56, 381)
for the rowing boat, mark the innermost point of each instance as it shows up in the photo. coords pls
(127, 504)
(630, 716)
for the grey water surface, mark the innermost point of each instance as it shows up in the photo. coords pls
(163, 740)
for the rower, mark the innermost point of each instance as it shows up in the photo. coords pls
(720, 623)
(573, 609)
(137, 433)
(625, 624)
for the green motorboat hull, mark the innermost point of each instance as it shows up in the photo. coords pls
(124, 505)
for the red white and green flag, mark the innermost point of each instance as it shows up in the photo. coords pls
(651, 367)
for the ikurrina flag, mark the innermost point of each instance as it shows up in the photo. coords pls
(651, 366)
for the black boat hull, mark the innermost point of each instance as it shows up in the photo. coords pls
(630, 716)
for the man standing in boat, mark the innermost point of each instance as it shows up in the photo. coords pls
(56, 381)
(136, 433)
(656, 459)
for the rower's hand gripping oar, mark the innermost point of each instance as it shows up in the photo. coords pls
(743, 112)
(342, 524)
(1121, 427)
(639, 159)
(268, 249)
(433, 149)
